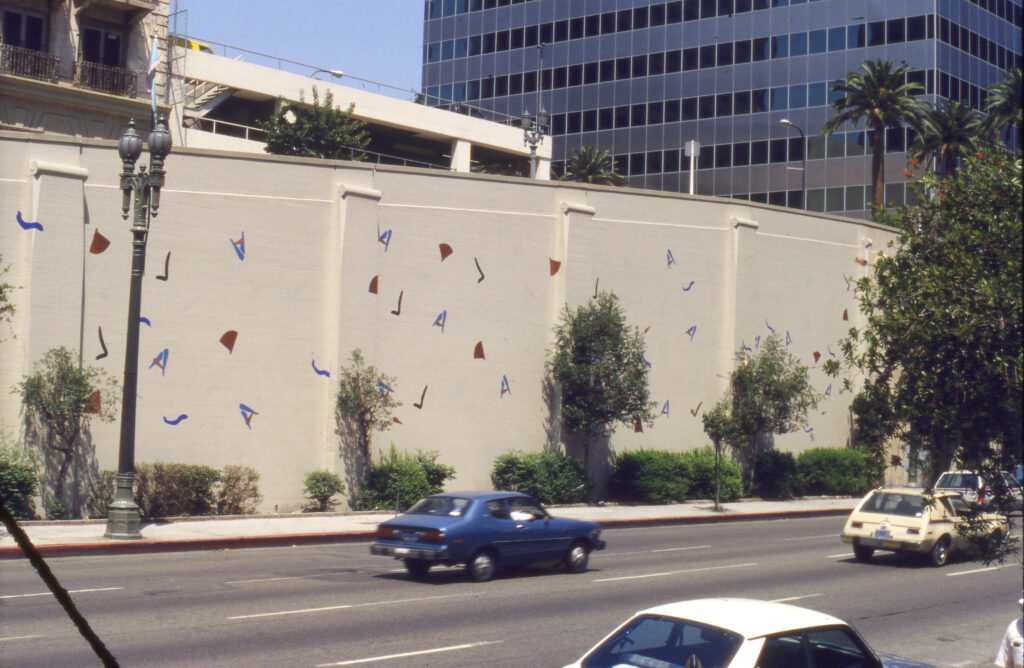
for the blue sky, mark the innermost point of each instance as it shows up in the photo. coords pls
(379, 40)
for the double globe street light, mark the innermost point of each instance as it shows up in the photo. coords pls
(534, 129)
(123, 514)
(785, 122)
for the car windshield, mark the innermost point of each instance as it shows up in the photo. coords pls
(891, 503)
(957, 481)
(440, 505)
(665, 642)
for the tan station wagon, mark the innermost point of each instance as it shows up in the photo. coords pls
(909, 520)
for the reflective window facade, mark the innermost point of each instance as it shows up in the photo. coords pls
(643, 77)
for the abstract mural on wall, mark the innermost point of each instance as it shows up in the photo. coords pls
(161, 361)
(689, 287)
(446, 250)
(384, 239)
(554, 266)
(320, 372)
(693, 411)
(146, 321)
(479, 280)
(670, 259)
(505, 389)
(692, 331)
(239, 246)
(26, 225)
(167, 268)
(422, 397)
(478, 351)
(99, 243)
(398, 311)
(374, 285)
(384, 390)
(441, 320)
(664, 409)
(228, 338)
(103, 344)
(247, 415)
(176, 421)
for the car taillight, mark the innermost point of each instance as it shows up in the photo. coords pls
(385, 532)
(913, 532)
(857, 525)
(433, 536)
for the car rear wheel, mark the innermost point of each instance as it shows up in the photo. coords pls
(482, 566)
(417, 568)
(863, 553)
(939, 554)
(577, 557)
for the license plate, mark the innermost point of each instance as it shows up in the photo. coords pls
(401, 550)
(881, 533)
(890, 543)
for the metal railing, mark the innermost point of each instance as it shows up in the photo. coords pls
(29, 63)
(106, 79)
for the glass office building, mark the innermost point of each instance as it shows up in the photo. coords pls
(641, 78)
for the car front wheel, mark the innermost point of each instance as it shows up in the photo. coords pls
(482, 566)
(863, 553)
(577, 557)
(939, 554)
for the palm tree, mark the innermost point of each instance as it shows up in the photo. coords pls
(590, 164)
(884, 98)
(947, 132)
(1004, 103)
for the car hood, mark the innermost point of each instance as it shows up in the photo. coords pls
(890, 661)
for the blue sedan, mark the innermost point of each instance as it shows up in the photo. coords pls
(485, 531)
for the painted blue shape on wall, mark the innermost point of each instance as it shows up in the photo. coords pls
(664, 409)
(385, 239)
(441, 319)
(28, 226)
(505, 389)
(770, 328)
(239, 246)
(692, 331)
(384, 389)
(247, 414)
(176, 420)
(670, 259)
(161, 361)
(687, 288)
(320, 372)
(145, 321)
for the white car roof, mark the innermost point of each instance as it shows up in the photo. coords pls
(750, 618)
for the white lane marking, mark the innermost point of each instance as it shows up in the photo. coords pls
(795, 598)
(387, 657)
(657, 575)
(72, 591)
(345, 606)
(977, 570)
(677, 549)
(19, 638)
(824, 535)
(839, 556)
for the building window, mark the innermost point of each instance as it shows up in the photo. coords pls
(23, 30)
(101, 46)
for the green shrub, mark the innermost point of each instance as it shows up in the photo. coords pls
(101, 494)
(321, 486)
(18, 482)
(550, 477)
(57, 509)
(833, 471)
(701, 466)
(400, 480)
(649, 476)
(175, 490)
(238, 491)
(777, 476)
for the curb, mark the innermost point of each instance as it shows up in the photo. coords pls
(286, 540)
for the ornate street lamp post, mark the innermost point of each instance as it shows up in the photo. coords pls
(123, 515)
(785, 122)
(534, 129)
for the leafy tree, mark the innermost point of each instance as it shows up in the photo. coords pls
(60, 399)
(881, 96)
(941, 347)
(948, 133)
(769, 393)
(365, 402)
(1004, 103)
(321, 486)
(316, 131)
(598, 361)
(590, 164)
(18, 480)
(6, 291)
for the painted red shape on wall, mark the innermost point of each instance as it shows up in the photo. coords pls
(99, 243)
(478, 352)
(373, 285)
(92, 403)
(846, 314)
(446, 250)
(638, 426)
(817, 356)
(555, 266)
(228, 339)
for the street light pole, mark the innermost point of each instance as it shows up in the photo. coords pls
(785, 122)
(123, 514)
(534, 129)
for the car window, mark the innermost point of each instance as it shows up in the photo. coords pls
(1009, 481)
(838, 648)
(888, 503)
(956, 505)
(782, 652)
(440, 505)
(665, 642)
(497, 508)
(524, 508)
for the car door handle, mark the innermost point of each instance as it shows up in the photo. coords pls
(520, 526)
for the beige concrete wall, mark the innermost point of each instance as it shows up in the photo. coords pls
(498, 257)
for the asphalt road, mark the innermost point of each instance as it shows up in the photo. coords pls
(338, 605)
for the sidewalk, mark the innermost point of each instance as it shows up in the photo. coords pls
(85, 537)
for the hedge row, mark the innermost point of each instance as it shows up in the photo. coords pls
(815, 472)
(400, 480)
(659, 476)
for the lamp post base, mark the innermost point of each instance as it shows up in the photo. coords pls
(123, 514)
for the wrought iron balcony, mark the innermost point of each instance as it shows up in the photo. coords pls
(29, 63)
(106, 79)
